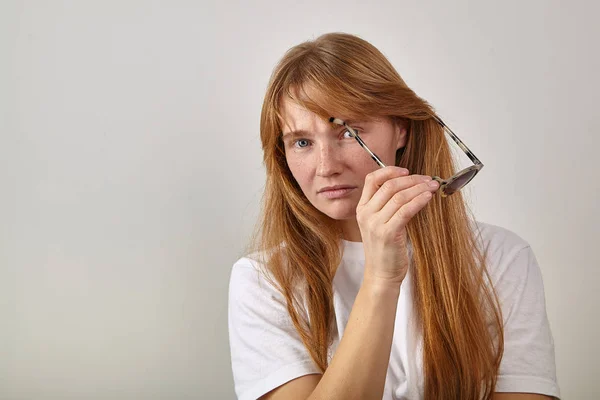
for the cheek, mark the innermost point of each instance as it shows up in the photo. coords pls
(386, 151)
(362, 162)
(300, 170)
(353, 156)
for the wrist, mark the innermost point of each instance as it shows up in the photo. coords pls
(381, 286)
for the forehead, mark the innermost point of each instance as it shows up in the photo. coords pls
(295, 117)
(304, 106)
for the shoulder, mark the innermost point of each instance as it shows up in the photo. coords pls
(249, 278)
(509, 257)
(501, 245)
(253, 289)
(497, 239)
(251, 272)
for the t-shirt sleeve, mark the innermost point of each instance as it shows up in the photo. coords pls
(266, 350)
(528, 363)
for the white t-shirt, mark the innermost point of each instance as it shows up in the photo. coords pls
(266, 350)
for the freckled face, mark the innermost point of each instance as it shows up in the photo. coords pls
(324, 154)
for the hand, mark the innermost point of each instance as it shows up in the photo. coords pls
(390, 198)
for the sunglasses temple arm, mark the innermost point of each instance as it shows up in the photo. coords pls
(358, 139)
(459, 142)
(364, 146)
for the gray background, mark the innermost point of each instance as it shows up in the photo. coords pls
(130, 171)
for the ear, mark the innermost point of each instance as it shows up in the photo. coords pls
(400, 132)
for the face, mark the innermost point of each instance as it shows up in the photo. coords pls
(322, 155)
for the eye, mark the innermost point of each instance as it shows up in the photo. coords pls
(300, 141)
(347, 132)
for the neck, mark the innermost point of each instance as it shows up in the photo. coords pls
(350, 230)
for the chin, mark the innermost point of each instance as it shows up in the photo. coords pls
(339, 211)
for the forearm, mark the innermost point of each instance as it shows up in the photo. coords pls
(358, 368)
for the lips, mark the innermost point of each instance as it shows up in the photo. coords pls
(336, 187)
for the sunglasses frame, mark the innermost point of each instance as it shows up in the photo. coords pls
(444, 183)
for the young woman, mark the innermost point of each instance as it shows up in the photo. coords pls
(367, 277)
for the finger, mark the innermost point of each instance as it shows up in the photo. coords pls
(375, 179)
(391, 188)
(409, 210)
(403, 197)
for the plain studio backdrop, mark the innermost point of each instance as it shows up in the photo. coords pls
(131, 171)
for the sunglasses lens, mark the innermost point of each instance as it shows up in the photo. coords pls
(459, 182)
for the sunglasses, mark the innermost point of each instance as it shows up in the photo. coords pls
(447, 186)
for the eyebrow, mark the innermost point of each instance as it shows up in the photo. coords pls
(302, 132)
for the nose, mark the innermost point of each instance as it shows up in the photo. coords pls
(329, 160)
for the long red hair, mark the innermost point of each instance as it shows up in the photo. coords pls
(455, 304)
